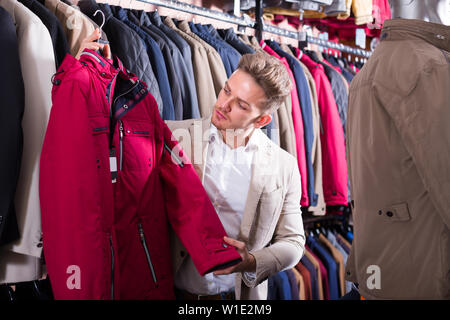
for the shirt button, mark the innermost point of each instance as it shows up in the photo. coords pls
(389, 214)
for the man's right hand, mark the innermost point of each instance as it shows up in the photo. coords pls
(89, 43)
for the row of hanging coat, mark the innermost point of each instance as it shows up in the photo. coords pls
(319, 275)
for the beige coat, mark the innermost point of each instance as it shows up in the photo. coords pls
(75, 24)
(272, 224)
(204, 82)
(398, 145)
(19, 259)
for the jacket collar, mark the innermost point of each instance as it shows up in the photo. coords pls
(398, 29)
(154, 17)
(139, 17)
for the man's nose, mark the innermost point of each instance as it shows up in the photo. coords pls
(226, 105)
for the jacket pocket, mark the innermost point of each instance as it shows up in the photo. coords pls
(267, 213)
(396, 213)
(138, 146)
(147, 253)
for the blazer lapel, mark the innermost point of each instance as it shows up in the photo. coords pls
(199, 144)
(261, 171)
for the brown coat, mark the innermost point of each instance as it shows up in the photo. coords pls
(398, 145)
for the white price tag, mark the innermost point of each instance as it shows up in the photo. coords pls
(360, 39)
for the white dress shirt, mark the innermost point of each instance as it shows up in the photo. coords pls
(227, 181)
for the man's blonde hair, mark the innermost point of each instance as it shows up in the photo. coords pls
(270, 74)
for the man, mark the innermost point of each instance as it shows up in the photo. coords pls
(253, 184)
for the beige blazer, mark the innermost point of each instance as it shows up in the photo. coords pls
(272, 225)
(38, 65)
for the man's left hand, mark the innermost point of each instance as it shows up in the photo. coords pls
(248, 263)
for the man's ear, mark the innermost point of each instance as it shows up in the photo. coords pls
(263, 121)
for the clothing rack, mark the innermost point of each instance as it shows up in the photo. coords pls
(246, 22)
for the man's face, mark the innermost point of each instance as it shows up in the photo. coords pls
(239, 103)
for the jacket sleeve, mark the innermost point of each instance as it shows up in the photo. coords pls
(288, 241)
(422, 119)
(190, 212)
(68, 195)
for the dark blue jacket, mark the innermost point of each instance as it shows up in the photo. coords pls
(231, 38)
(329, 263)
(178, 72)
(295, 290)
(305, 103)
(230, 57)
(279, 287)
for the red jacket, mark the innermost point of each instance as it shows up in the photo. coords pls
(298, 126)
(105, 240)
(334, 161)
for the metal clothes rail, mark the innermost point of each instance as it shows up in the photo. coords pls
(246, 21)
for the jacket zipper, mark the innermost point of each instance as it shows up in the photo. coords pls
(112, 266)
(147, 253)
(120, 144)
(121, 125)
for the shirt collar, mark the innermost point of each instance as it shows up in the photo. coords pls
(252, 144)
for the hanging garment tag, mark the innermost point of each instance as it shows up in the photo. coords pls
(113, 164)
(360, 39)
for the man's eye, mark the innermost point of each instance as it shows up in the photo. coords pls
(242, 107)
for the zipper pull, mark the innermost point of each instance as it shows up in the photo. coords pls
(120, 130)
(141, 231)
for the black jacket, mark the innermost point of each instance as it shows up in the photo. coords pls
(126, 45)
(59, 40)
(11, 111)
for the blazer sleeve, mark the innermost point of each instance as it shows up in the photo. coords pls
(288, 240)
(422, 120)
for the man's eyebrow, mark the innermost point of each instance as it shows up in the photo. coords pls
(241, 100)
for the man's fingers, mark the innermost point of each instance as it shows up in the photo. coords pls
(93, 36)
(93, 46)
(106, 51)
(235, 243)
(224, 271)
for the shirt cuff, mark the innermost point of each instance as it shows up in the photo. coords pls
(249, 278)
